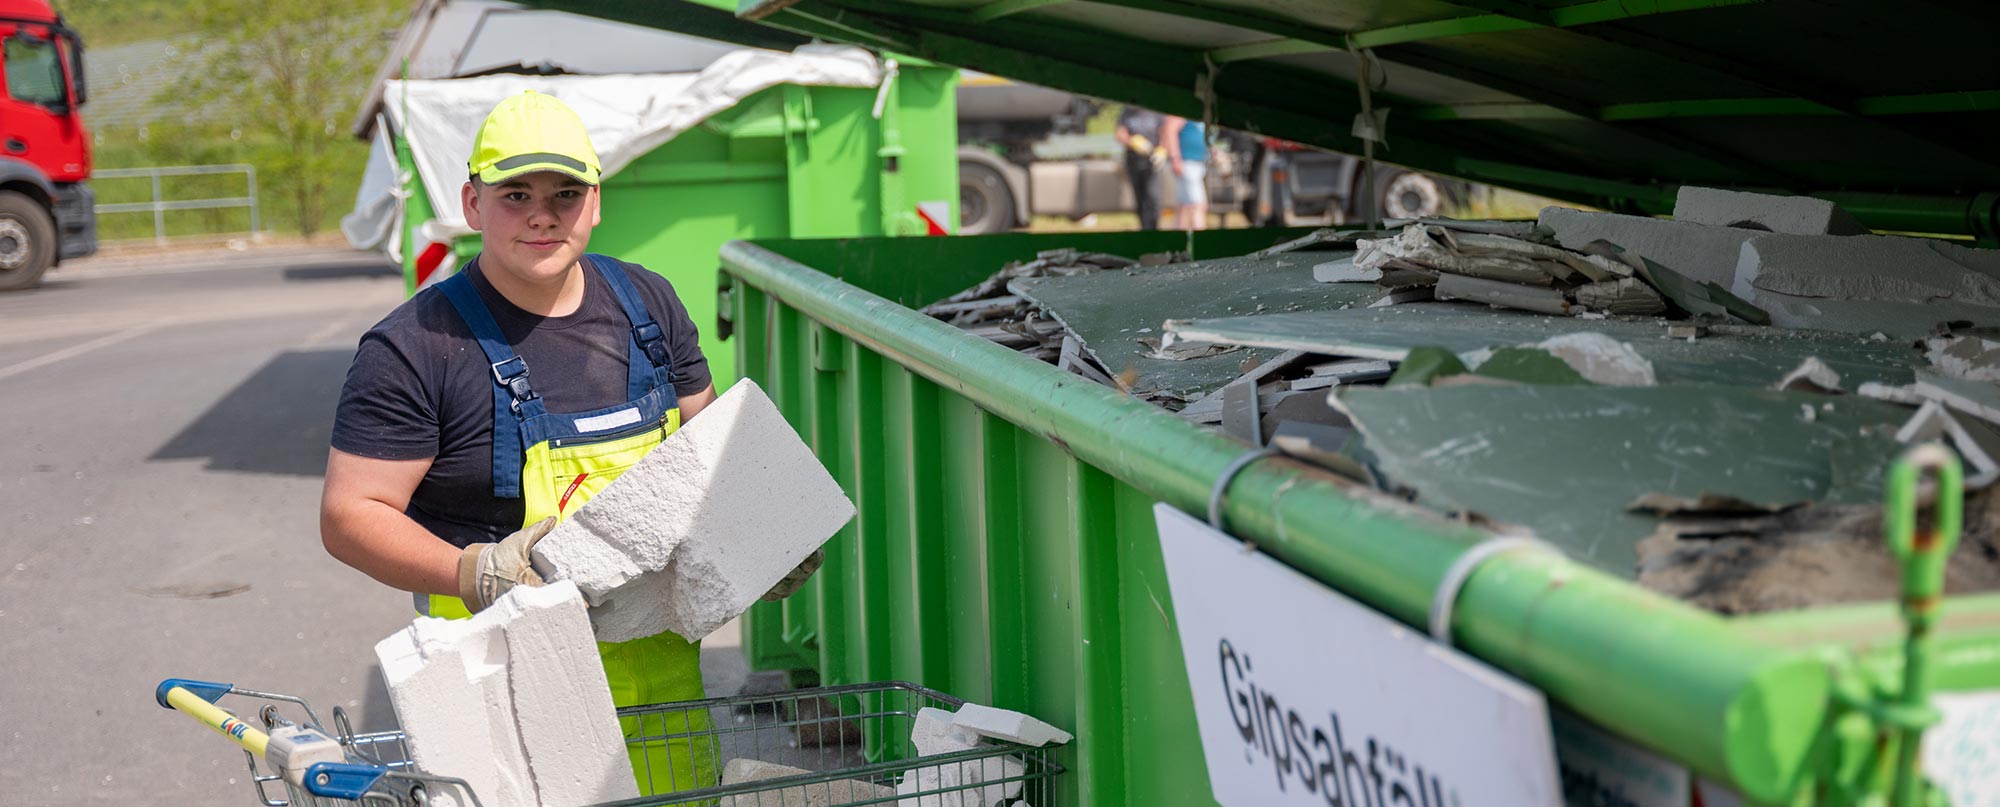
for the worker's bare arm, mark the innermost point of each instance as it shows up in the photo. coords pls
(693, 404)
(361, 522)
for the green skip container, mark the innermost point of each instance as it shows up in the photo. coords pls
(1005, 550)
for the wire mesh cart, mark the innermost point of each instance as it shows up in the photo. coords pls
(841, 746)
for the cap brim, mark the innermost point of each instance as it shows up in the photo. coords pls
(495, 175)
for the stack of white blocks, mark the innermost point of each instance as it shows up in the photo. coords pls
(513, 701)
(702, 527)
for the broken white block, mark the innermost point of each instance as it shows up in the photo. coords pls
(1975, 442)
(1899, 286)
(1812, 375)
(934, 733)
(1972, 358)
(513, 700)
(1344, 270)
(447, 680)
(562, 702)
(968, 776)
(818, 794)
(1014, 727)
(1699, 251)
(1601, 359)
(706, 524)
(1797, 215)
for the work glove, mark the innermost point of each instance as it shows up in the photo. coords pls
(488, 570)
(797, 577)
(1142, 145)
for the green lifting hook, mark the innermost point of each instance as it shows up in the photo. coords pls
(1921, 520)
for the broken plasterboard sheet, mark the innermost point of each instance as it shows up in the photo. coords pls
(1343, 270)
(1699, 252)
(1812, 375)
(1112, 311)
(1565, 462)
(1740, 355)
(1601, 359)
(1976, 398)
(712, 483)
(1899, 286)
(1491, 257)
(1796, 215)
(1973, 358)
(1974, 440)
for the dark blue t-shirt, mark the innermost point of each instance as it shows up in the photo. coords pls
(420, 387)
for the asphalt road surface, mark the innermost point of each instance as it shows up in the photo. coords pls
(167, 422)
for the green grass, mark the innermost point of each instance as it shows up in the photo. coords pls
(115, 22)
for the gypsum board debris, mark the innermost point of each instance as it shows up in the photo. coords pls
(1319, 241)
(1491, 257)
(1501, 294)
(947, 311)
(1803, 557)
(1057, 262)
(1896, 285)
(1565, 461)
(1349, 370)
(1975, 441)
(1976, 398)
(1112, 311)
(1740, 355)
(1343, 270)
(1969, 356)
(1255, 370)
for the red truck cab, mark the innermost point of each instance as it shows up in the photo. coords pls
(46, 210)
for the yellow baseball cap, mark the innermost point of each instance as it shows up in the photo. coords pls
(532, 132)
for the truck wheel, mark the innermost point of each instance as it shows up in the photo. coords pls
(985, 205)
(27, 241)
(1409, 195)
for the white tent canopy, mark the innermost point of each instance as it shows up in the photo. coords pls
(627, 116)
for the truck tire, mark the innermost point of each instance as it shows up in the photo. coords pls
(985, 205)
(27, 241)
(1410, 195)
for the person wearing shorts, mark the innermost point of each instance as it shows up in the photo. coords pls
(1187, 153)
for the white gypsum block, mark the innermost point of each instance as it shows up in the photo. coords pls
(818, 794)
(562, 700)
(1003, 724)
(447, 681)
(934, 733)
(513, 700)
(1798, 215)
(743, 499)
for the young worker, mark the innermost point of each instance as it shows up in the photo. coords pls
(450, 458)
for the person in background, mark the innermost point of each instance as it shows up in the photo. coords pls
(1186, 142)
(1139, 132)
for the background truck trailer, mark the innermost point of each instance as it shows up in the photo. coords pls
(45, 208)
(1023, 152)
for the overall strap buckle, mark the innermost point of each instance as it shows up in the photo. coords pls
(652, 339)
(512, 373)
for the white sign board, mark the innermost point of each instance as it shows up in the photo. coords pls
(1601, 770)
(1306, 697)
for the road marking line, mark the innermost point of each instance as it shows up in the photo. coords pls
(74, 351)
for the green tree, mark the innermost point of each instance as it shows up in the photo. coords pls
(289, 75)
